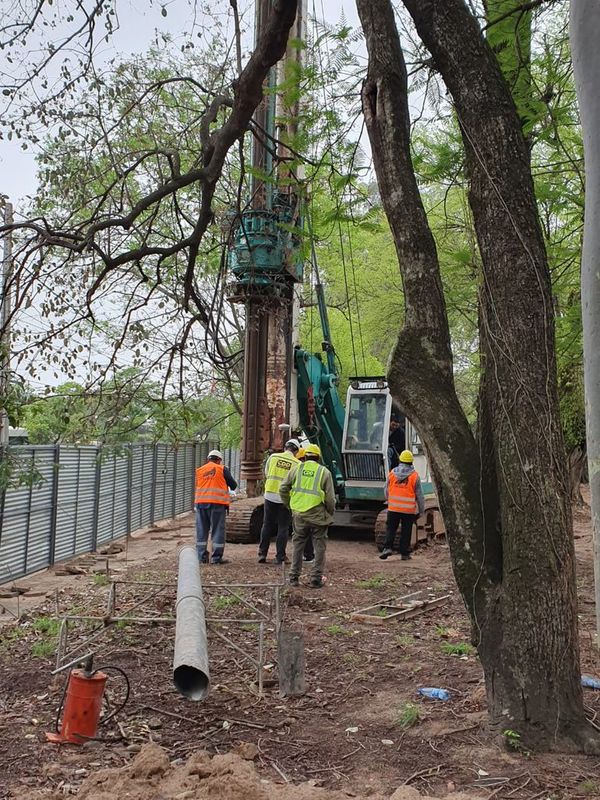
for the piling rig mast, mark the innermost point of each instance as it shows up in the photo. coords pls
(265, 261)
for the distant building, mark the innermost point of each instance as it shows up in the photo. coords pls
(18, 436)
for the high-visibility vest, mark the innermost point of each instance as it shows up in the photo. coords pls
(211, 486)
(306, 491)
(278, 467)
(402, 496)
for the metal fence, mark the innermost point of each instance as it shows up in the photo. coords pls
(77, 498)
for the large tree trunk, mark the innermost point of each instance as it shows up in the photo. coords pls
(585, 30)
(504, 497)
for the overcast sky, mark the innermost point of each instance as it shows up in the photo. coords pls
(139, 21)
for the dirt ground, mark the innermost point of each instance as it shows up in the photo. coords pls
(360, 730)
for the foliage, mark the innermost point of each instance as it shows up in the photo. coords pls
(408, 716)
(127, 409)
(460, 649)
(338, 630)
(376, 582)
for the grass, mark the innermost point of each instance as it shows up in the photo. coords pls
(382, 612)
(225, 601)
(460, 649)
(43, 649)
(101, 579)
(13, 634)
(376, 582)
(589, 787)
(352, 659)
(338, 630)
(408, 716)
(441, 631)
(404, 640)
(250, 626)
(47, 625)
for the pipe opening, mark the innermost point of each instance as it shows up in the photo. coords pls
(191, 682)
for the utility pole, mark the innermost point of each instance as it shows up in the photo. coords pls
(5, 310)
(264, 259)
(584, 33)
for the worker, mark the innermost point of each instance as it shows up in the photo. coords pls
(309, 550)
(213, 482)
(396, 440)
(277, 517)
(308, 490)
(405, 505)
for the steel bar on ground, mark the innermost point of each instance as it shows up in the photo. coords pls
(190, 661)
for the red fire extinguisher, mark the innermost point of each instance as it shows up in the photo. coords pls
(81, 704)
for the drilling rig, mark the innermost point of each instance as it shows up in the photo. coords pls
(286, 387)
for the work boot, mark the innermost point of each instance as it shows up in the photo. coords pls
(294, 582)
(317, 583)
(284, 560)
(262, 559)
(406, 557)
(387, 551)
(204, 559)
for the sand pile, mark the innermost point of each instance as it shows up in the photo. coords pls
(231, 776)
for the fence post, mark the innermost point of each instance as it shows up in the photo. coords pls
(97, 479)
(154, 479)
(174, 503)
(129, 488)
(54, 504)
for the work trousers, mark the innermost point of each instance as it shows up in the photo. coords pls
(395, 518)
(276, 521)
(210, 520)
(302, 532)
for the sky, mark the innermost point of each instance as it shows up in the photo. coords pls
(139, 21)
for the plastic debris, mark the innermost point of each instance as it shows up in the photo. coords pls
(388, 742)
(434, 694)
(353, 729)
(589, 682)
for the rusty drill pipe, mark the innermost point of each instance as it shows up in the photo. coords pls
(190, 661)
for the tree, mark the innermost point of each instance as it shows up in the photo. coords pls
(585, 28)
(503, 491)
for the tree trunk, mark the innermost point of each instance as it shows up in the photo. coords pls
(504, 497)
(577, 462)
(585, 30)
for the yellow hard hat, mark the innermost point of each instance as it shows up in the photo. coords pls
(313, 450)
(406, 457)
(301, 453)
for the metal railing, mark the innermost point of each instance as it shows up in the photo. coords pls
(73, 499)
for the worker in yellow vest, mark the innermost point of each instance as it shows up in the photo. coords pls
(277, 517)
(309, 491)
(405, 505)
(213, 482)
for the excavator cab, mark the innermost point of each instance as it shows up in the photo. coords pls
(366, 435)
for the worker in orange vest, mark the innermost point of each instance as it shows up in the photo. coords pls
(213, 482)
(405, 505)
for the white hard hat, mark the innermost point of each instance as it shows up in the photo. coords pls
(216, 454)
(293, 443)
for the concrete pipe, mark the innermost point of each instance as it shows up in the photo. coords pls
(190, 662)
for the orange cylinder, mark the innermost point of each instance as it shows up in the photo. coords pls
(83, 705)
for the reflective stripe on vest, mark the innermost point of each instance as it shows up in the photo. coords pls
(306, 492)
(402, 496)
(278, 466)
(211, 486)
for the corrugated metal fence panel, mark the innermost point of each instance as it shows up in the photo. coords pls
(142, 478)
(183, 478)
(114, 495)
(27, 510)
(85, 496)
(15, 523)
(85, 512)
(40, 512)
(121, 496)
